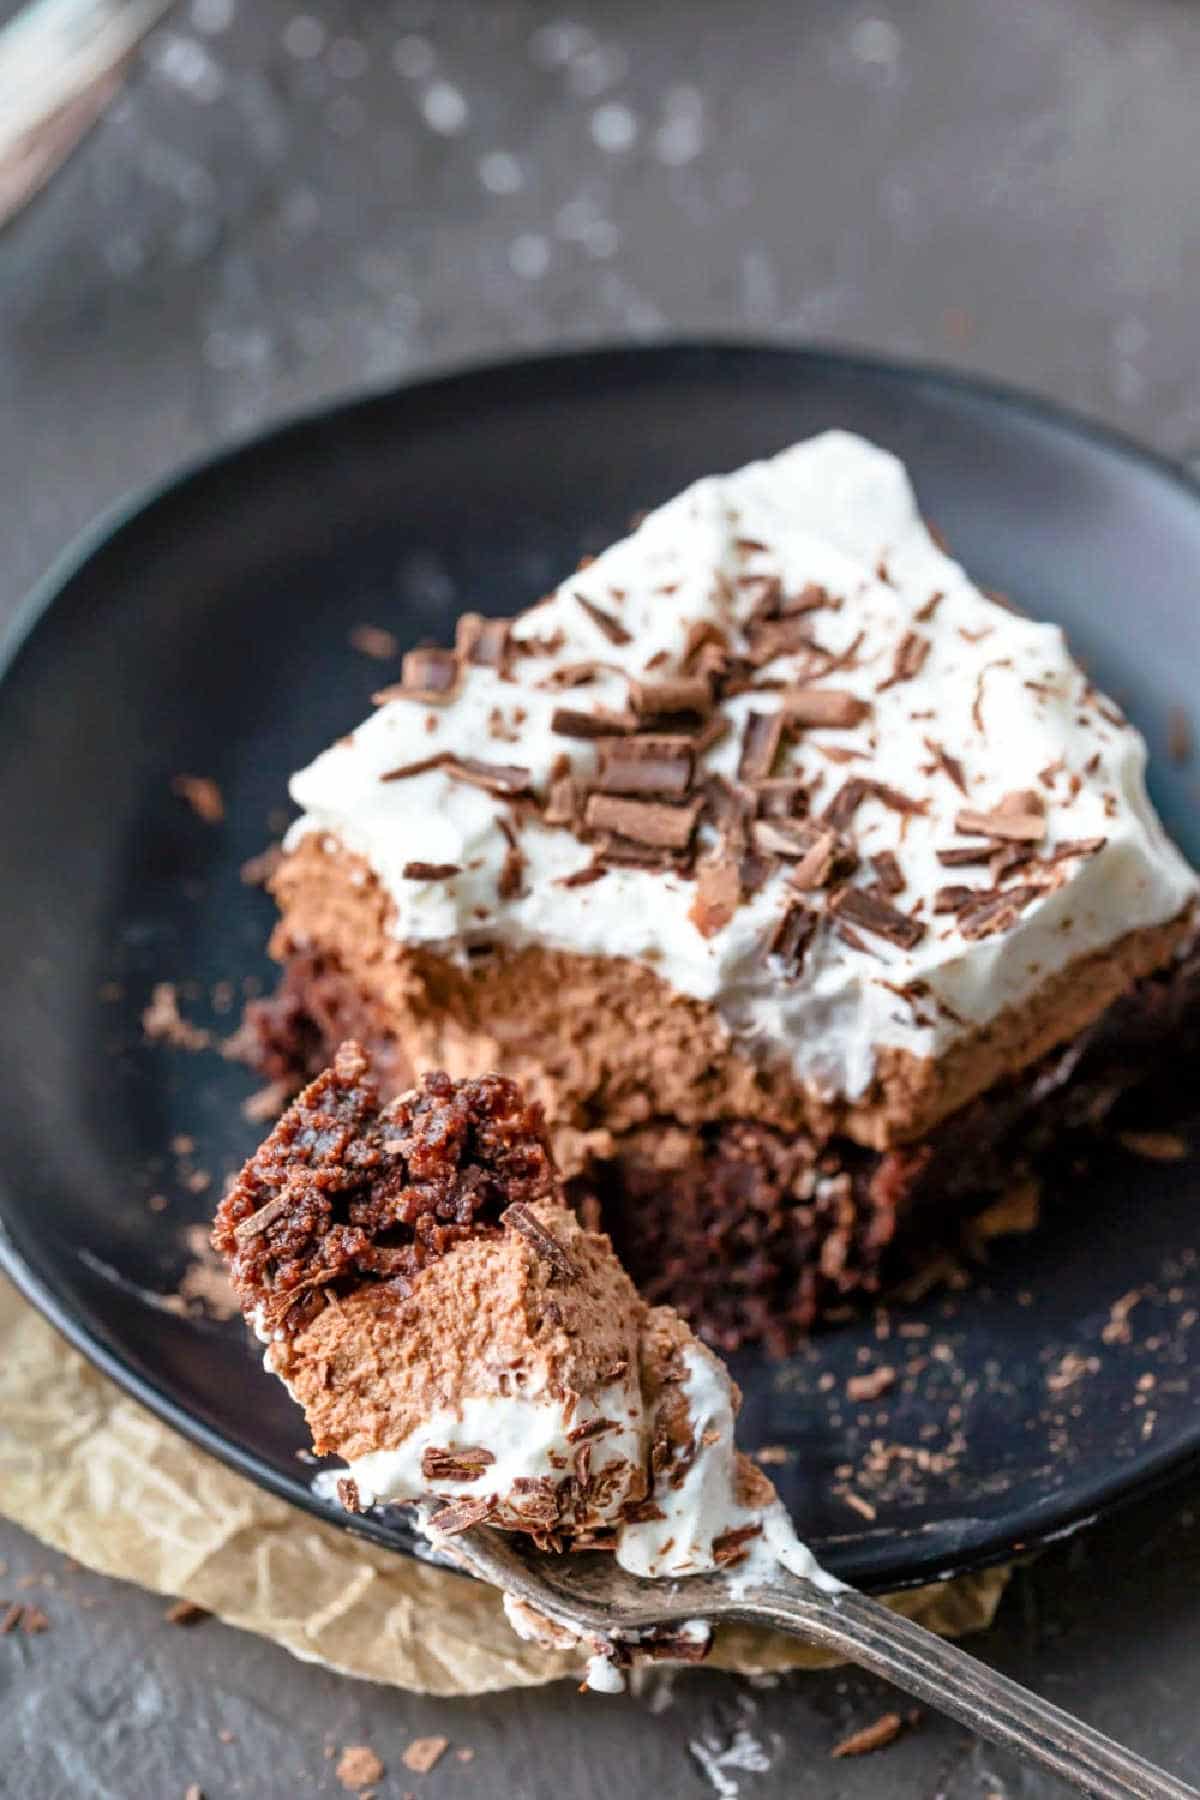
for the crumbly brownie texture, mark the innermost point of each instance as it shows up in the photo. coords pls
(757, 1234)
(753, 1229)
(451, 1330)
(344, 1190)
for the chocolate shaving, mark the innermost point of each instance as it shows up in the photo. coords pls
(705, 649)
(646, 765)
(427, 871)
(949, 765)
(777, 635)
(888, 872)
(953, 899)
(505, 779)
(460, 1515)
(718, 891)
(572, 675)
(429, 675)
(909, 660)
(872, 1737)
(466, 1462)
(406, 770)
(687, 694)
(762, 740)
(832, 708)
(571, 722)
(645, 822)
(792, 935)
(485, 642)
(993, 913)
(846, 802)
(811, 598)
(1077, 847)
(924, 613)
(612, 628)
(896, 801)
(519, 1218)
(856, 907)
(584, 877)
(817, 851)
(1026, 825)
(962, 856)
(783, 797)
(512, 869)
(730, 1546)
(593, 1428)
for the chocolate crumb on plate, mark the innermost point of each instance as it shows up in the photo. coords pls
(875, 1736)
(358, 1768)
(186, 1612)
(374, 641)
(203, 796)
(1180, 738)
(423, 1753)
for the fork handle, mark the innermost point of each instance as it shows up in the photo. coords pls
(953, 1682)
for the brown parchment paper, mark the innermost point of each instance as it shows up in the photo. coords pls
(94, 1475)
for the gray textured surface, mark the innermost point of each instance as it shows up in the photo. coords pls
(284, 205)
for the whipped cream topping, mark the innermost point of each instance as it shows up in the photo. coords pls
(530, 1439)
(991, 704)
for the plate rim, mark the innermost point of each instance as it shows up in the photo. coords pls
(1164, 1467)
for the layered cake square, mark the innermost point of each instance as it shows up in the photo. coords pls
(811, 891)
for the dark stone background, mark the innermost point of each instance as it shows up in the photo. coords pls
(283, 205)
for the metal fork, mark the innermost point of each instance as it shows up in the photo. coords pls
(592, 1596)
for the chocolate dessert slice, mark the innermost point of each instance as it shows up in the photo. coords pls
(459, 1338)
(813, 892)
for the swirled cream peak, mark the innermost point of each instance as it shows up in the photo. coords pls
(776, 746)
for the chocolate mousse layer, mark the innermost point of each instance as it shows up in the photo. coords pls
(756, 1231)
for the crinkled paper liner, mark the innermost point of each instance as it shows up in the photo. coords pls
(93, 1474)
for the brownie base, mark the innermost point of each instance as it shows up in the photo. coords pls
(757, 1235)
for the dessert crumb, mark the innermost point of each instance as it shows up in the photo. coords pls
(163, 1023)
(875, 1736)
(203, 796)
(358, 1768)
(423, 1753)
(374, 641)
(185, 1612)
(1179, 735)
(1155, 1146)
(871, 1385)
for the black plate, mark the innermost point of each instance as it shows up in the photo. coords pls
(206, 632)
